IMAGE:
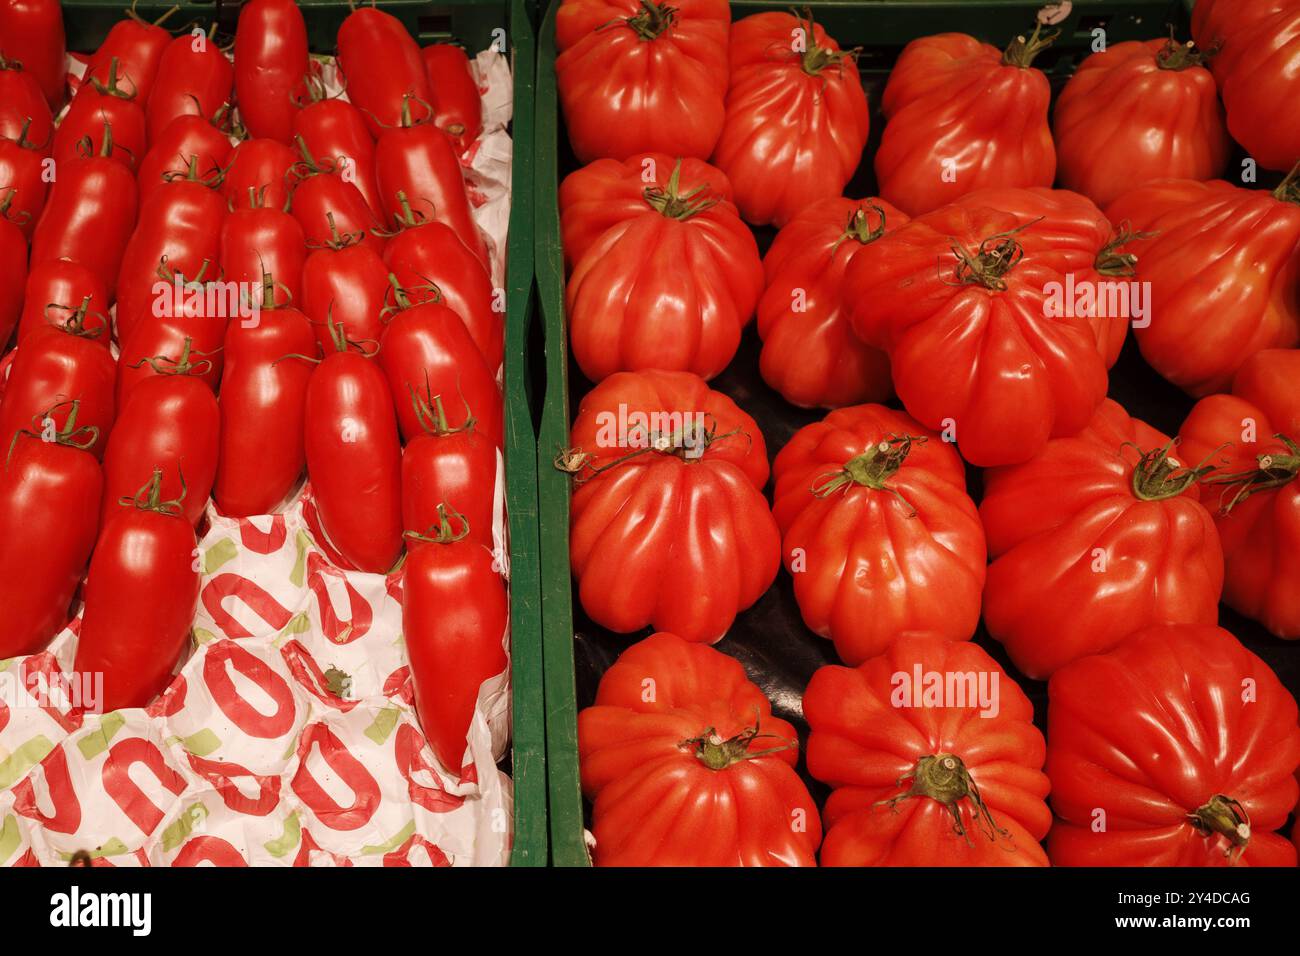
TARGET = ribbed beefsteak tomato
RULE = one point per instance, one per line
(810, 354)
(878, 532)
(1223, 265)
(670, 288)
(638, 76)
(796, 118)
(1096, 536)
(1177, 748)
(1252, 435)
(669, 525)
(1135, 112)
(961, 115)
(933, 760)
(981, 349)
(1257, 66)
(686, 766)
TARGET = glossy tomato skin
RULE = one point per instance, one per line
(354, 458)
(262, 240)
(879, 542)
(193, 76)
(22, 103)
(54, 366)
(31, 32)
(656, 802)
(1138, 111)
(263, 410)
(56, 289)
(607, 192)
(1260, 530)
(262, 165)
(270, 62)
(985, 358)
(426, 351)
(22, 183)
(382, 64)
(874, 738)
(92, 198)
(13, 276)
(670, 288)
(158, 345)
(681, 539)
(431, 252)
(810, 354)
(1241, 295)
(636, 78)
(110, 105)
(170, 152)
(450, 466)
(796, 122)
(169, 422)
(180, 230)
(1150, 733)
(1257, 50)
(49, 493)
(417, 160)
(458, 108)
(320, 196)
(138, 47)
(346, 286)
(989, 116)
(454, 616)
(336, 131)
(141, 594)
(1082, 558)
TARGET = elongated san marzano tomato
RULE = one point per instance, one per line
(1135, 112)
(327, 205)
(697, 773)
(170, 422)
(1252, 436)
(810, 354)
(336, 131)
(58, 290)
(193, 76)
(962, 115)
(1160, 742)
(49, 513)
(796, 117)
(669, 526)
(22, 105)
(454, 615)
(354, 458)
(922, 777)
(60, 365)
(345, 282)
(638, 76)
(264, 166)
(138, 47)
(457, 106)
(170, 152)
(417, 169)
(1094, 537)
(141, 594)
(31, 31)
(425, 351)
(382, 64)
(111, 104)
(878, 531)
(257, 239)
(270, 63)
(93, 198)
(263, 409)
(449, 463)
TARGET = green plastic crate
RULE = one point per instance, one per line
(474, 23)
(880, 28)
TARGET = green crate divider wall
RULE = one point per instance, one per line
(473, 23)
(880, 28)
